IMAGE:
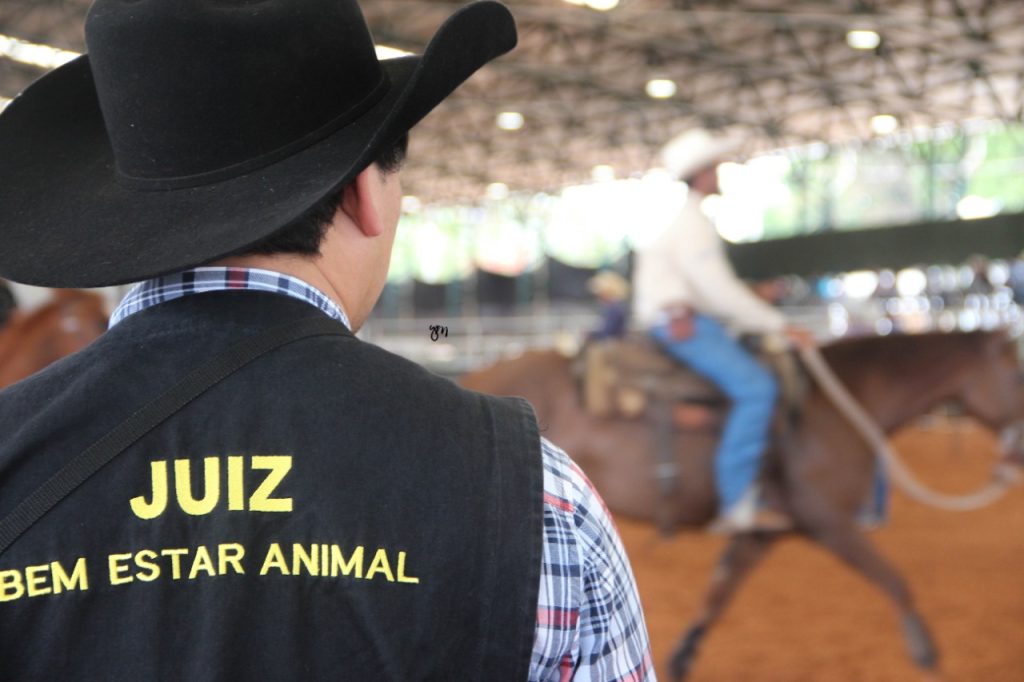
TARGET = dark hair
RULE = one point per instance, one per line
(304, 234)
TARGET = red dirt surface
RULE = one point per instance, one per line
(804, 617)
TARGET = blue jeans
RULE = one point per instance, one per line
(715, 355)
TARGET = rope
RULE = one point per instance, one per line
(1003, 475)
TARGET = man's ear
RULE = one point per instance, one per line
(358, 202)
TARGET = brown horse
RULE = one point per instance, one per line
(820, 474)
(31, 341)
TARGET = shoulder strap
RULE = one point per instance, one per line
(145, 419)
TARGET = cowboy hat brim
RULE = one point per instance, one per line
(66, 222)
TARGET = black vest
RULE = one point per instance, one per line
(331, 511)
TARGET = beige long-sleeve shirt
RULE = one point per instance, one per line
(687, 264)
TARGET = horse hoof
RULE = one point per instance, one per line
(677, 670)
(679, 665)
(682, 659)
(921, 644)
(932, 676)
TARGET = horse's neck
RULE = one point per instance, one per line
(896, 385)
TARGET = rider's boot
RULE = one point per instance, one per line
(750, 515)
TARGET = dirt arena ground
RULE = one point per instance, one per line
(803, 616)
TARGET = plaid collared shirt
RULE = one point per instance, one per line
(589, 622)
(200, 280)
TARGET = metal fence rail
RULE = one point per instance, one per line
(452, 346)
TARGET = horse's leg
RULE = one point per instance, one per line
(849, 544)
(740, 556)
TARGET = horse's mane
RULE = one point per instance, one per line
(909, 352)
(908, 342)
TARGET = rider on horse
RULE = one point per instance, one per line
(687, 295)
(612, 290)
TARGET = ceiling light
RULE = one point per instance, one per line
(883, 124)
(599, 5)
(972, 207)
(510, 120)
(4, 101)
(37, 55)
(411, 204)
(388, 52)
(602, 173)
(497, 191)
(660, 88)
(863, 39)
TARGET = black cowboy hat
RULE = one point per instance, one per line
(195, 128)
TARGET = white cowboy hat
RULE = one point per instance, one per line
(696, 149)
